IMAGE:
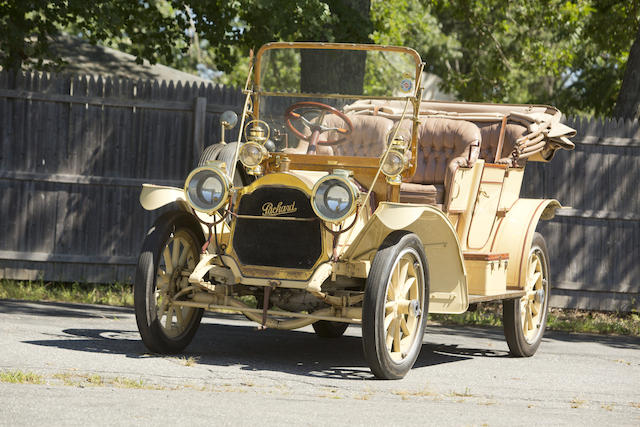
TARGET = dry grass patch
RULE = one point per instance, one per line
(577, 403)
(465, 393)
(20, 377)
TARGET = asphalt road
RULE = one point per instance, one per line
(95, 370)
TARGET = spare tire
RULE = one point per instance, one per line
(225, 153)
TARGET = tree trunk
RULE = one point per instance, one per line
(628, 103)
(332, 71)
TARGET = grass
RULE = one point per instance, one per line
(121, 295)
(116, 294)
(19, 377)
(568, 320)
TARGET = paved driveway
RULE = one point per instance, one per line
(94, 369)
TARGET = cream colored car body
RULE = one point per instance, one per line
(477, 243)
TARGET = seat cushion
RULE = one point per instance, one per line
(424, 194)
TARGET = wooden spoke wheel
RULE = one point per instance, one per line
(395, 306)
(170, 253)
(525, 318)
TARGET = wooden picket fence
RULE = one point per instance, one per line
(595, 244)
(75, 151)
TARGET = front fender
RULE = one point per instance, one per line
(447, 278)
(153, 197)
(515, 234)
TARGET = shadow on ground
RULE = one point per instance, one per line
(294, 352)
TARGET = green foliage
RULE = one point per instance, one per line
(567, 53)
(149, 29)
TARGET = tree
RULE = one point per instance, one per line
(569, 53)
(628, 103)
(149, 29)
(566, 53)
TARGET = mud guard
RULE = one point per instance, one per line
(514, 235)
(447, 278)
(154, 197)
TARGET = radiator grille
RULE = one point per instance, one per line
(277, 242)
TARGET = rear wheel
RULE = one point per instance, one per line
(395, 306)
(169, 254)
(327, 329)
(525, 318)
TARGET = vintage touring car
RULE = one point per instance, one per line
(346, 198)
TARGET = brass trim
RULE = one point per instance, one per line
(329, 95)
(278, 218)
(225, 181)
(350, 186)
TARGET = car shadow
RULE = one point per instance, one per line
(294, 352)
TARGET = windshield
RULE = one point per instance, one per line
(328, 98)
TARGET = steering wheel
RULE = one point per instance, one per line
(297, 112)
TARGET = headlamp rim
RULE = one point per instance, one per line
(402, 154)
(262, 149)
(226, 182)
(351, 188)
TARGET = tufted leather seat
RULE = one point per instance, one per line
(491, 134)
(444, 145)
(367, 138)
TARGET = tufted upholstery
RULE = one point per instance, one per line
(491, 134)
(367, 138)
(443, 146)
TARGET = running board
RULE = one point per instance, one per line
(474, 299)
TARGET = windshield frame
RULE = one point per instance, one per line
(256, 91)
(253, 91)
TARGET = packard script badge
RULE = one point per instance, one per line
(280, 209)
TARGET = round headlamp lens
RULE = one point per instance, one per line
(333, 199)
(337, 199)
(393, 164)
(207, 190)
(251, 154)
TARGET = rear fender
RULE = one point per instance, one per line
(447, 279)
(515, 233)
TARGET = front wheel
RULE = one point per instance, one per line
(525, 318)
(169, 253)
(395, 306)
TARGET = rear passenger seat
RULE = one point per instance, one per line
(444, 145)
(490, 132)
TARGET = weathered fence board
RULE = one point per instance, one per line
(75, 150)
(74, 153)
(594, 245)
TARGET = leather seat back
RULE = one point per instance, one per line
(490, 136)
(367, 138)
(443, 146)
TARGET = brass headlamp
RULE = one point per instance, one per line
(253, 152)
(207, 187)
(396, 161)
